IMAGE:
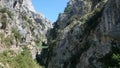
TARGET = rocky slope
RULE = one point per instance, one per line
(86, 35)
(21, 25)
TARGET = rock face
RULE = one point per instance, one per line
(21, 25)
(86, 35)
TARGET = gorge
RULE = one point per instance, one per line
(85, 35)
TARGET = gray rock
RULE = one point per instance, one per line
(84, 34)
(23, 23)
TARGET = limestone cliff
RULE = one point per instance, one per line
(21, 25)
(86, 35)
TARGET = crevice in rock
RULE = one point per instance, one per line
(74, 59)
(14, 4)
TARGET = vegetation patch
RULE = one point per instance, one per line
(17, 34)
(24, 17)
(29, 21)
(6, 10)
(3, 21)
(22, 60)
(112, 59)
(7, 41)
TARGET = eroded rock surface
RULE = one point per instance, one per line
(86, 35)
(21, 25)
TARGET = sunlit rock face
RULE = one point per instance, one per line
(13, 3)
(86, 35)
(29, 5)
(20, 21)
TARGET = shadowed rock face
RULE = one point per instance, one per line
(115, 35)
(77, 39)
(115, 32)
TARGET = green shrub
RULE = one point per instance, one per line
(3, 10)
(4, 24)
(8, 40)
(116, 57)
(6, 10)
(29, 21)
(1, 35)
(112, 59)
(22, 60)
(24, 17)
(16, 34)
(3, 21)
(6, 57)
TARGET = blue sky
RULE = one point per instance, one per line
(50, 8)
